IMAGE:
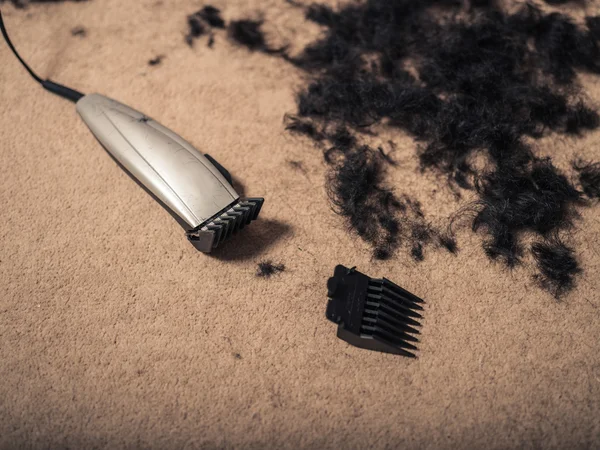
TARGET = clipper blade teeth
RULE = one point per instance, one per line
(375, 314)
(218, 229)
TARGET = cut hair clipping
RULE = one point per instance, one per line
(373, 313)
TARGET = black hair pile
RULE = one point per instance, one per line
(156, 60)
(358, 192)
(557, 266)
(475, 86)
(593, 24)
(248, 33)
(196, 28)
(589, 177)
(202, 22)
(212, 16)
(534, 198)
(463, 83)
(245, 32)
(266, 269)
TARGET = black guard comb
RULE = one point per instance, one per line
(372, 313)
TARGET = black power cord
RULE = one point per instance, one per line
(55, 88)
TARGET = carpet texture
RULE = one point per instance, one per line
(117, 333)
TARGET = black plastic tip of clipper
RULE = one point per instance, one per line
(374, 314)
(215, 231)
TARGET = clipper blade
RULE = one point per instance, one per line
(374, 314)
(215, 231)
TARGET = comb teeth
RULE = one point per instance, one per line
(213, 233)
(374, 313)
(391, 315)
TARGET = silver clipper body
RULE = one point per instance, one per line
(193, 187)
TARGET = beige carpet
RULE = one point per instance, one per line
(116, 333)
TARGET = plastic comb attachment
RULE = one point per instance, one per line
(374, 314)
(215, 231)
